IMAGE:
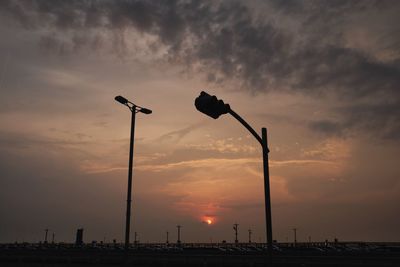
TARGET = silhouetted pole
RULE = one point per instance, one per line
(179, 234)
(267, 190)
(235, 227)
(134, 109)
(295, 236)
(52, 238)
(136, 241)
(250, 232)
(214, 108)
(45, 235)
(130, 171)
(167, 237)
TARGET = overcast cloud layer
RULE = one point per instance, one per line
(344, 49)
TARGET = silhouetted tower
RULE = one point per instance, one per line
(167, 237)
(79, 237)
(250, 232)
(235, 227)
(179, 234)
(45, 235)
(52, 238)
(295, 236)
(136, 241)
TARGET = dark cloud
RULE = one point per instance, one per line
(350, 73)
(369, 117)
(326, 127)
(375, 120)
(311, 54)
(225, 37)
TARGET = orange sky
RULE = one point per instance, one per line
(334, 143)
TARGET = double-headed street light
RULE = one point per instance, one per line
(134, 109)
(214, 108)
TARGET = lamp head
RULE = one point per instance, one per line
(121, 100)
(145, 110)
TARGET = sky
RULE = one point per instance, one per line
(322, 76)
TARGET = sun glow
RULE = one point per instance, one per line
(208, 220)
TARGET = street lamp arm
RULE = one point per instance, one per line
(132, 107)
(211, 106)
(248, 127)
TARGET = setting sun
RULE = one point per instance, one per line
(208, 220)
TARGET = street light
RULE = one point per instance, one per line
(211, 106)
(134, 109)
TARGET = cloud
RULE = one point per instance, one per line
(311, 47)
(368, 119)
(326, 127)
(178, 134)
(202, 164)
(223, 36)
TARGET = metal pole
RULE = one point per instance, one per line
(129, 198)
(267, 192)
(45, 236)
(250, 235)
(235, 227)
(136, 241)
(179, 234)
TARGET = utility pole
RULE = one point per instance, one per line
(179, 234)
(45, 235)
(250, 232)
(167, 238)
(295, 236)
(235, 227)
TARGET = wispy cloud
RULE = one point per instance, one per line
(226, 162)
(176, 136)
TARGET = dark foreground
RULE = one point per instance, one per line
(199, 256)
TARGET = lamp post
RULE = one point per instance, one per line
(250, 232)
(179, 235)
(45, 235)
(134, 109)
(214, 108)
(235, 228)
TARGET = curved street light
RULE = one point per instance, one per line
(134, 109)
(213, 107)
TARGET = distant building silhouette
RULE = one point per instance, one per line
(79, 237)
